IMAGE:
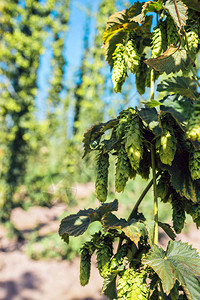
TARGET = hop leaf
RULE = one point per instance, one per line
(132, 285)
(166, 144)
(159, 38)
(119, 68)
(133, 142)
(178, 215)
(102, 176)
(131, 56)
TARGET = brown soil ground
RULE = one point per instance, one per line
(22, 278)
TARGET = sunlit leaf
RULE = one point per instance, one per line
(77, 224)
(178, 85)
(169, 5)
(181, 107)
(171, 61)
(132, 229)
(179, 262)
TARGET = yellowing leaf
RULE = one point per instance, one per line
(171, 61)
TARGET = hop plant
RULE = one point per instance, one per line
(178, 215)
(132, 285)
(194, 164)
(133, 142)
(119, 68)
(104, 254)
(172, 32)
(193, 126)
(166, 144)
(102, 176)
(122, 169)
(141, 75)
(85, 264)
(131, 56)
(159, 39)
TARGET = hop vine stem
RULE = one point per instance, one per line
(155, 236)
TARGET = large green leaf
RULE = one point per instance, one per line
(171, 61)
(77, 224)
(194, 4)
(179, 262)
(181, 107)
(180, 19)
(181, 178)
(132, 229)
(178, 85)
(93, 135)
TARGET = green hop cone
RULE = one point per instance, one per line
(172, 32)
(145, 164)
(123, 121)
(131, 56)
(193, 126)
(163, 187)
(166, 145)
(194, 164)
(122, 169)
(132, 285)
(85, 264)
(192, 32)
(102, 177)
(194, 211)
(178, 215)
(118, 258)
(133, 142)
(159, 39)
(141, 76)
(104, 254)
(119, 68)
